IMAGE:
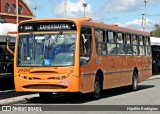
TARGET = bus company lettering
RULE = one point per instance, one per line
(24, 70)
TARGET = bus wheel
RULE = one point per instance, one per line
(45, 95)
(134, 81)
(97, 89)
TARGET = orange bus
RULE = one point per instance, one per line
(78, 55)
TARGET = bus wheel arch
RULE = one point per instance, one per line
(98, 84)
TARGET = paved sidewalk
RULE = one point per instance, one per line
(154, 77)
(15, 100)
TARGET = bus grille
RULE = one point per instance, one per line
(44, 86)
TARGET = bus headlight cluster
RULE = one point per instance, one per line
(20, 75)
(24, 77)
(64, 77)
(57, 77)
(60, 77)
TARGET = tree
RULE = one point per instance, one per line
(156, 31)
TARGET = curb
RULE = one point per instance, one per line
(19, 99)
(154, 77)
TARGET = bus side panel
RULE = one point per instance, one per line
(126, 78)
(87, 76)
(147, 71)
(107, 81)
(87, 83)
(104, 65)
(125, 70)
(147, 74)
(140, 75)
(112, 69)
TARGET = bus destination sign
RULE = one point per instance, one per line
(46, 26)
(55, 26)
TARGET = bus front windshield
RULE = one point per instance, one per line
(46, 49)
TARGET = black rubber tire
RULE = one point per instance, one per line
(45, 96)
(97, 89)
(134, 85)
(134, 81)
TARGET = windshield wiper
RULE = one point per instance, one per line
(55, 40)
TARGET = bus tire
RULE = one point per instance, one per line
(134, 81)
(45, 96)
(97, 88)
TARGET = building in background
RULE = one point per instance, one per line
(10, 16)
(9, 13)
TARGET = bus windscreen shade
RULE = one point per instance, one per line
(46, 26)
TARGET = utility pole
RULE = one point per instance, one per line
(144, 16)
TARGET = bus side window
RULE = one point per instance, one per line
(135, 44)
(128, 46)
(85, 45)
(100, 42)
(111, 43)
(141, 45)
(120, 44)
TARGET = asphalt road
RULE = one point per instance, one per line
(147, 94)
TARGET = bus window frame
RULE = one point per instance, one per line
(42, 33)
(123, 43)
(108, 42)
(84, 55)
(135, 45)
(130, 43)
(141, 45)
(103, 42)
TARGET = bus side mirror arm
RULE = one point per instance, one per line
(7, 46)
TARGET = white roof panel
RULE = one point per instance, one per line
(7, 27)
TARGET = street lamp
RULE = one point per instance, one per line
(84, 5)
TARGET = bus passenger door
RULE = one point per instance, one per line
(86, 60)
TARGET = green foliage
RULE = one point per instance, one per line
(156, 31)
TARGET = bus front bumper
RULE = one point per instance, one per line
(70, 84)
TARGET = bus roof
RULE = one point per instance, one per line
(89, 22)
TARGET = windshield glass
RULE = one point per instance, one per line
(46, 49)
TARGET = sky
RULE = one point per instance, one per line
(125, 13)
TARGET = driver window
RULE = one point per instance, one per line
(85, 45)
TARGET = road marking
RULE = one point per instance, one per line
(5, 91)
